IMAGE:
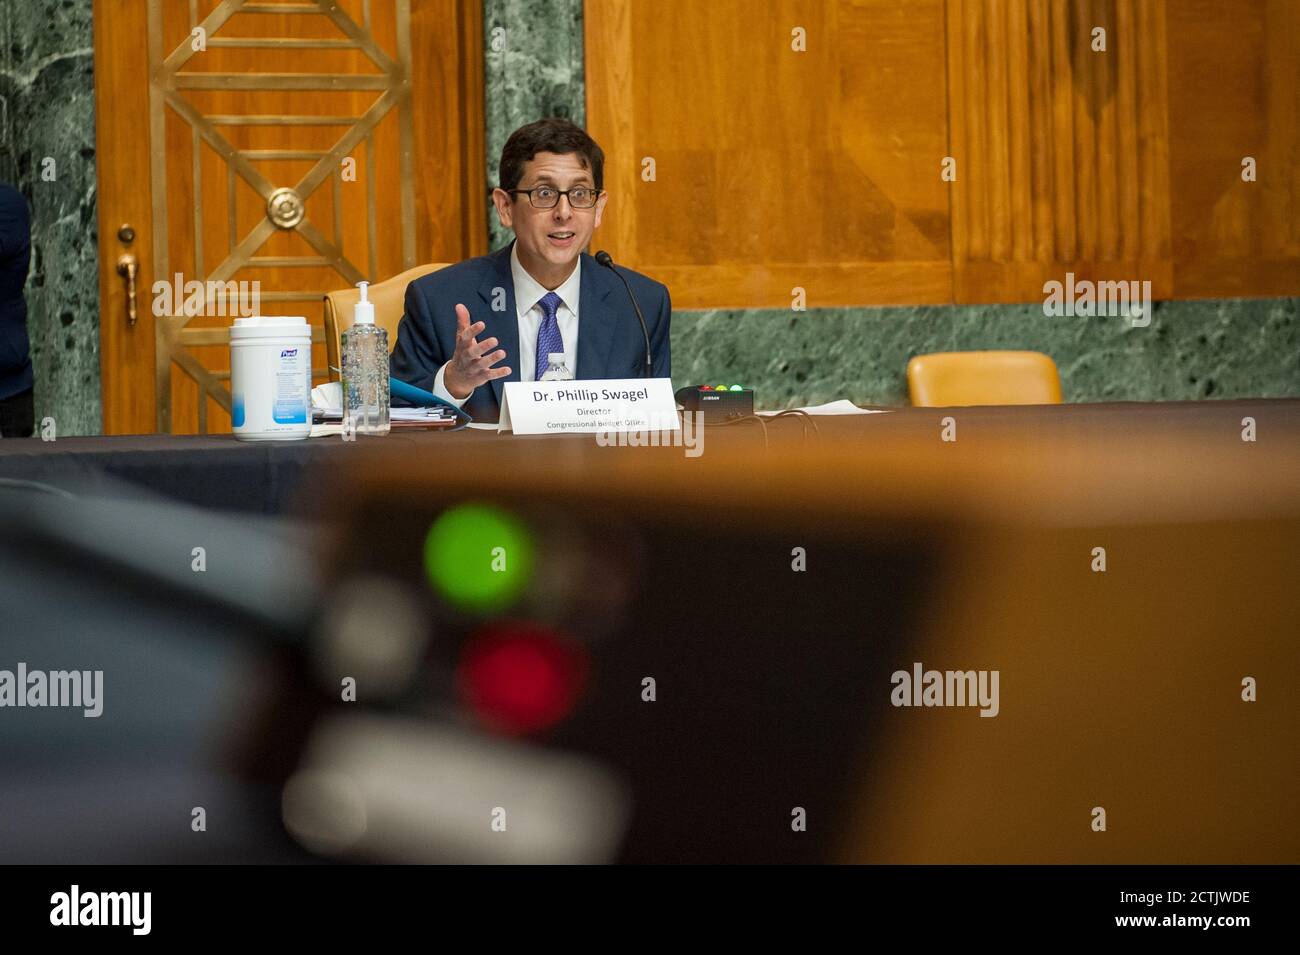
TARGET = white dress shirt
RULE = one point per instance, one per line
(528, 295)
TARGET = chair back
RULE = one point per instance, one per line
(949, 379)
(388, 297)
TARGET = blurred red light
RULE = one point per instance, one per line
(521, 678)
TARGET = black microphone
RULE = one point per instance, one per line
(606, 260)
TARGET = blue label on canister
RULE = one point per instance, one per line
(291, 398)
(237, 410)
(286, 414)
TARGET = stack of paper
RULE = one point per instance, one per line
(843, 406)
(327, 411)
(418, 415)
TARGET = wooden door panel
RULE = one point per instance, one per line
(1237, 66)
(128, 387)
(281, 156)
(1062, 151)
(775, 168)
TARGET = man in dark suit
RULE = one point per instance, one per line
(539, 298)
(17, 416)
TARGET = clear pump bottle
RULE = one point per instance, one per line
(365, 371)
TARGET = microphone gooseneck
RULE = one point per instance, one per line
(605, 259)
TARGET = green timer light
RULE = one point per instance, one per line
(478, 557)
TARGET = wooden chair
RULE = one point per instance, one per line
(949, 379)
(388, 298)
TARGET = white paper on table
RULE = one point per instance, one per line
(842, 406)
(328, 397)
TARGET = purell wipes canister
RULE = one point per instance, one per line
(270, 378)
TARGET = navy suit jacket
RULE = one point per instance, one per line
(15, 254)
(610, 343)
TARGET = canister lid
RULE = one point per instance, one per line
(270, 326)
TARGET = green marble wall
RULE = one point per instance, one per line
(533, 69)
(47, 97)
(1212, 349)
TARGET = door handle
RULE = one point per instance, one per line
(128, 267)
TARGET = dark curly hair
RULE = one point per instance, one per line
(553, 135)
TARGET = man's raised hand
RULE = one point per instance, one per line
(471, 364)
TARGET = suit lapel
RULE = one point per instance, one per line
(503, 326)
(595, 320)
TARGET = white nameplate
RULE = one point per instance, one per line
(576, 407)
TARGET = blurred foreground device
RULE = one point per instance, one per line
(522, 676)
(713, 666)
(725, 657)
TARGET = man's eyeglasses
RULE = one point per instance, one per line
(546, 197)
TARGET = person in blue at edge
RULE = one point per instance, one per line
(470, 327)
(17, 416)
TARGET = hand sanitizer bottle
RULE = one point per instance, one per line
(365, 371)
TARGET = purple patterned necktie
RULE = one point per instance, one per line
(549, 339)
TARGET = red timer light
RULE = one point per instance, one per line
(521, 678)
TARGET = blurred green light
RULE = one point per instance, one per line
(478, 557)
